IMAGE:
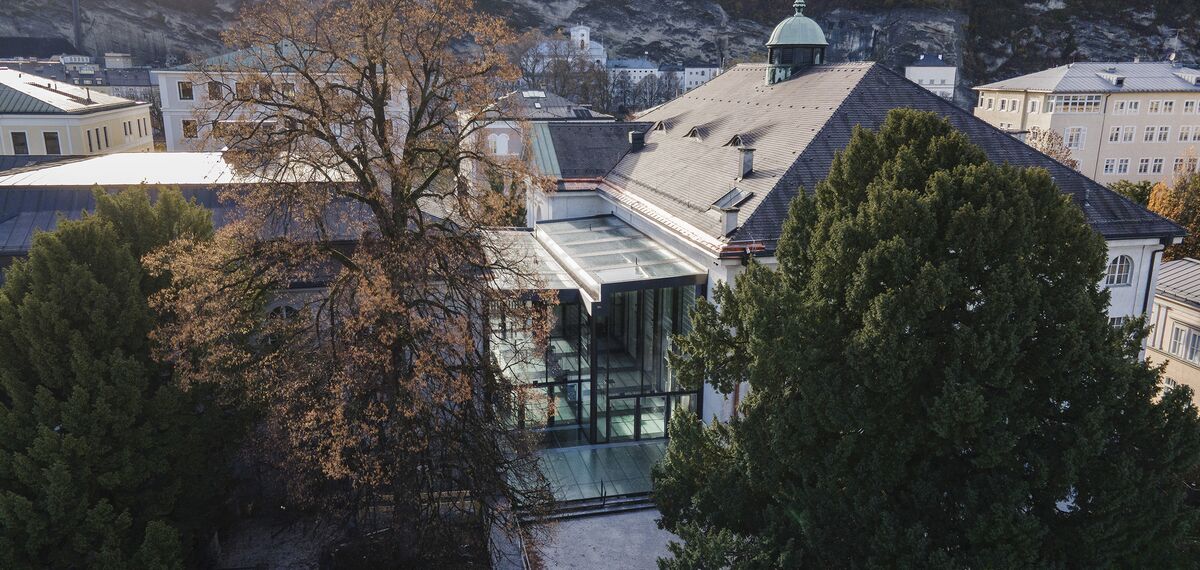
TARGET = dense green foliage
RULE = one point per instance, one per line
(104, 462)
(1139, 192)
(934, 384)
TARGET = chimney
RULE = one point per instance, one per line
(729, 220)
(745, 161)
(637, 141)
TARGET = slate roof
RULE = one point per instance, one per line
(580, 150)
(632, 63)
(795, 127)
(10, 163)
(1180, 280)
(1096, 77)
(125, 77)
(41, 47)
(24, 212)
(253, 57)
(35, 199)
(24, 93)
(540, 105)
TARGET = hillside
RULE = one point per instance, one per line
(992, 40)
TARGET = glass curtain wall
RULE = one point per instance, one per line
(635, 391)
(557, 398)
(602, 379)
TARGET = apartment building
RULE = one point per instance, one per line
(187, 91)
(1122, 121)
(42, 116)
(1175, 325)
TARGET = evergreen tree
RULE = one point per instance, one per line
(934, 383)
(103, 460)
(1139, 191)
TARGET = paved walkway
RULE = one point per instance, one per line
(630, 541)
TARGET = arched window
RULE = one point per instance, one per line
(1120, 271)
(498, 144)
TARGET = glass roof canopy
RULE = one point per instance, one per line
(526, 264)
(605, 255)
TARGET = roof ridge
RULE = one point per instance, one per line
(737, 236)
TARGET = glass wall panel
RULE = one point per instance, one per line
(635, 389)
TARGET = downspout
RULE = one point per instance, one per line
(1150, 277)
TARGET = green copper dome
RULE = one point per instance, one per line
(799, 30)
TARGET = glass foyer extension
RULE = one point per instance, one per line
(603, 377)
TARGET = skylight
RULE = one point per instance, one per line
(533, 94)
(732, 199)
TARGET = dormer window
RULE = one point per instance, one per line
(694, 134)
(737, 140)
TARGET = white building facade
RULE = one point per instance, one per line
(935, 74)
(40, 116)
(1137, 121)
(187, 94)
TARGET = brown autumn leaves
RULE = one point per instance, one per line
(347, 297)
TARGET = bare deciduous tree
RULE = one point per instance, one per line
(351, 297)
(1051, 144)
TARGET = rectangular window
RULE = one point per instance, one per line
(288, 90)
(1193, 346)
(51, 140)
(1110, 165)
(1149, 134)
(89, 134)
(1196, 133)
(1004, 104)
(1033, 106)
(1014, 105)
(214, 89)
(20, 143)
(1074, 137)
(1179, 164)
(1185, 133)
(990, 103)
(189, 129)
(106, 145)
(1123, 166)
(242, 89)
(1158, 166)
(185, 90)
(1114, 135)
(1154, 108)
(1189, 107)
(1117, 322)
(1144, 166)
(1168, 107)
(1076, 103)
(1177, 341)
(140, 132)
(1164, 134)
(1127, 134)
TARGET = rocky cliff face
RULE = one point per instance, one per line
(989, 40)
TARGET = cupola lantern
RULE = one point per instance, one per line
(796, 43)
